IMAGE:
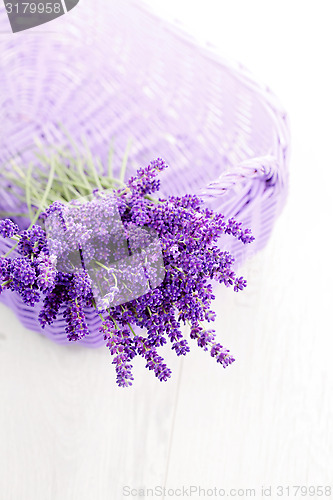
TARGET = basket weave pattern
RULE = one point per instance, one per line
(115, 70)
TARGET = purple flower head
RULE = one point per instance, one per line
(32, 241)
(181, 348)
(145, 181)
(146, 265)
(240, 284)
(5, 268)
(8, 228)
(74, 315)
(22, 272)
(46, 270)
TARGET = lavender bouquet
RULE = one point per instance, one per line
(145, 264)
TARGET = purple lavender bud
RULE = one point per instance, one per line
(123, 370)
(181, 348)
(221, 355)
(235, 229)
(5, 268)
(55, 208)
(33, 241)
(110, 229)
(210, 316)
(144, 182)
(74, 315)
(30, 295)
(82, 284)
(8, 228)
(46, 272)
(51, 306)
(22, 272)
(240, 284)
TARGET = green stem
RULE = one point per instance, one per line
(91, 164)
(124, 162)
(28, 190)
(13, 214)
(6, 282)
(130, 327)
(10, 251)
(110, 159)
(47, 190)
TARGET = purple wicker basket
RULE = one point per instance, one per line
(114, 70)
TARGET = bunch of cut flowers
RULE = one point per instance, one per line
(146, 264)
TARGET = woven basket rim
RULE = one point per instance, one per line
(265, 175)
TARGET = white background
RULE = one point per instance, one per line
(68, 433)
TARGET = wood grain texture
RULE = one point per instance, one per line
(68, 433)
(66, 430)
